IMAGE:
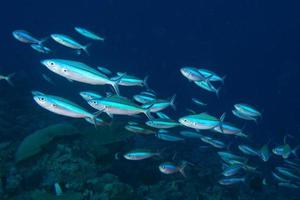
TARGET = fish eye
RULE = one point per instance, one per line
(51, 63)
(65, 70)
(42, 98)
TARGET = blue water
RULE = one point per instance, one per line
(254, 43)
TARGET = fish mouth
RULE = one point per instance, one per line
(44, 62)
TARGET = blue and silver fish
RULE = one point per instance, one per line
(104, 70)
(26, 37)
(139, 129)
(77, 71)
(198, 102)
(243, 116)
(69, 42)
(167, 136)
(231, 181)
(89, 34)
(118, 105)
(248, 150)
(61, 106)
(231, 170)
(89, 95)
(191, 134)
(248, 110)
(41, 49)
(160, 104)
(144, 98)
(212, 76)
(140, 154)
(172, 168)
(193, 74)
(206, 85)
(129, 80)
(201, 121)
(162, 123)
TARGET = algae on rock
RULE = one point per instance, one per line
(34, 143)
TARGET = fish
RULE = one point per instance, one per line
(40, 48)
(61, 106)
(243, 116)
(198, 102)
(67, 41)
(166, 136)
(8, 78)
(190, 134)
(77, 71)
(248, 110)
(231, 181)
(287, 172)
(89, 95)
(215, 143)
(87, 33)
(162, 123)
(160, 104)
(48, 79)
(193, 74)
(289, 185)
(295, 163)
(264, 153)
(206, 85)
(285, 150)
(248, 150)
(140, 154)
(162, 115)
(119, 105)
(202, 121)
(231, 170)
(211, 75)
(149, 92)
(172, 168)
(229, 129)
(279, 178)
(129, 80)
(231, 158)
(139, 129)
(26, 37)
(97, 121)
(143, 98)
(104, 70)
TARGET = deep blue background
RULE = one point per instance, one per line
(255, 43)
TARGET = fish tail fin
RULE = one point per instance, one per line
(85, 48)
(172, 102)
(43, 40)
(221, 121)
(145, 82)
(117, 156)
(115, 83)
(294, 151)
(223, 79)
(94, 117)
(147, 112)
(8, 79)
(182, 168)
(218, 92)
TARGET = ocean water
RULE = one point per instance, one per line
(255, 44)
